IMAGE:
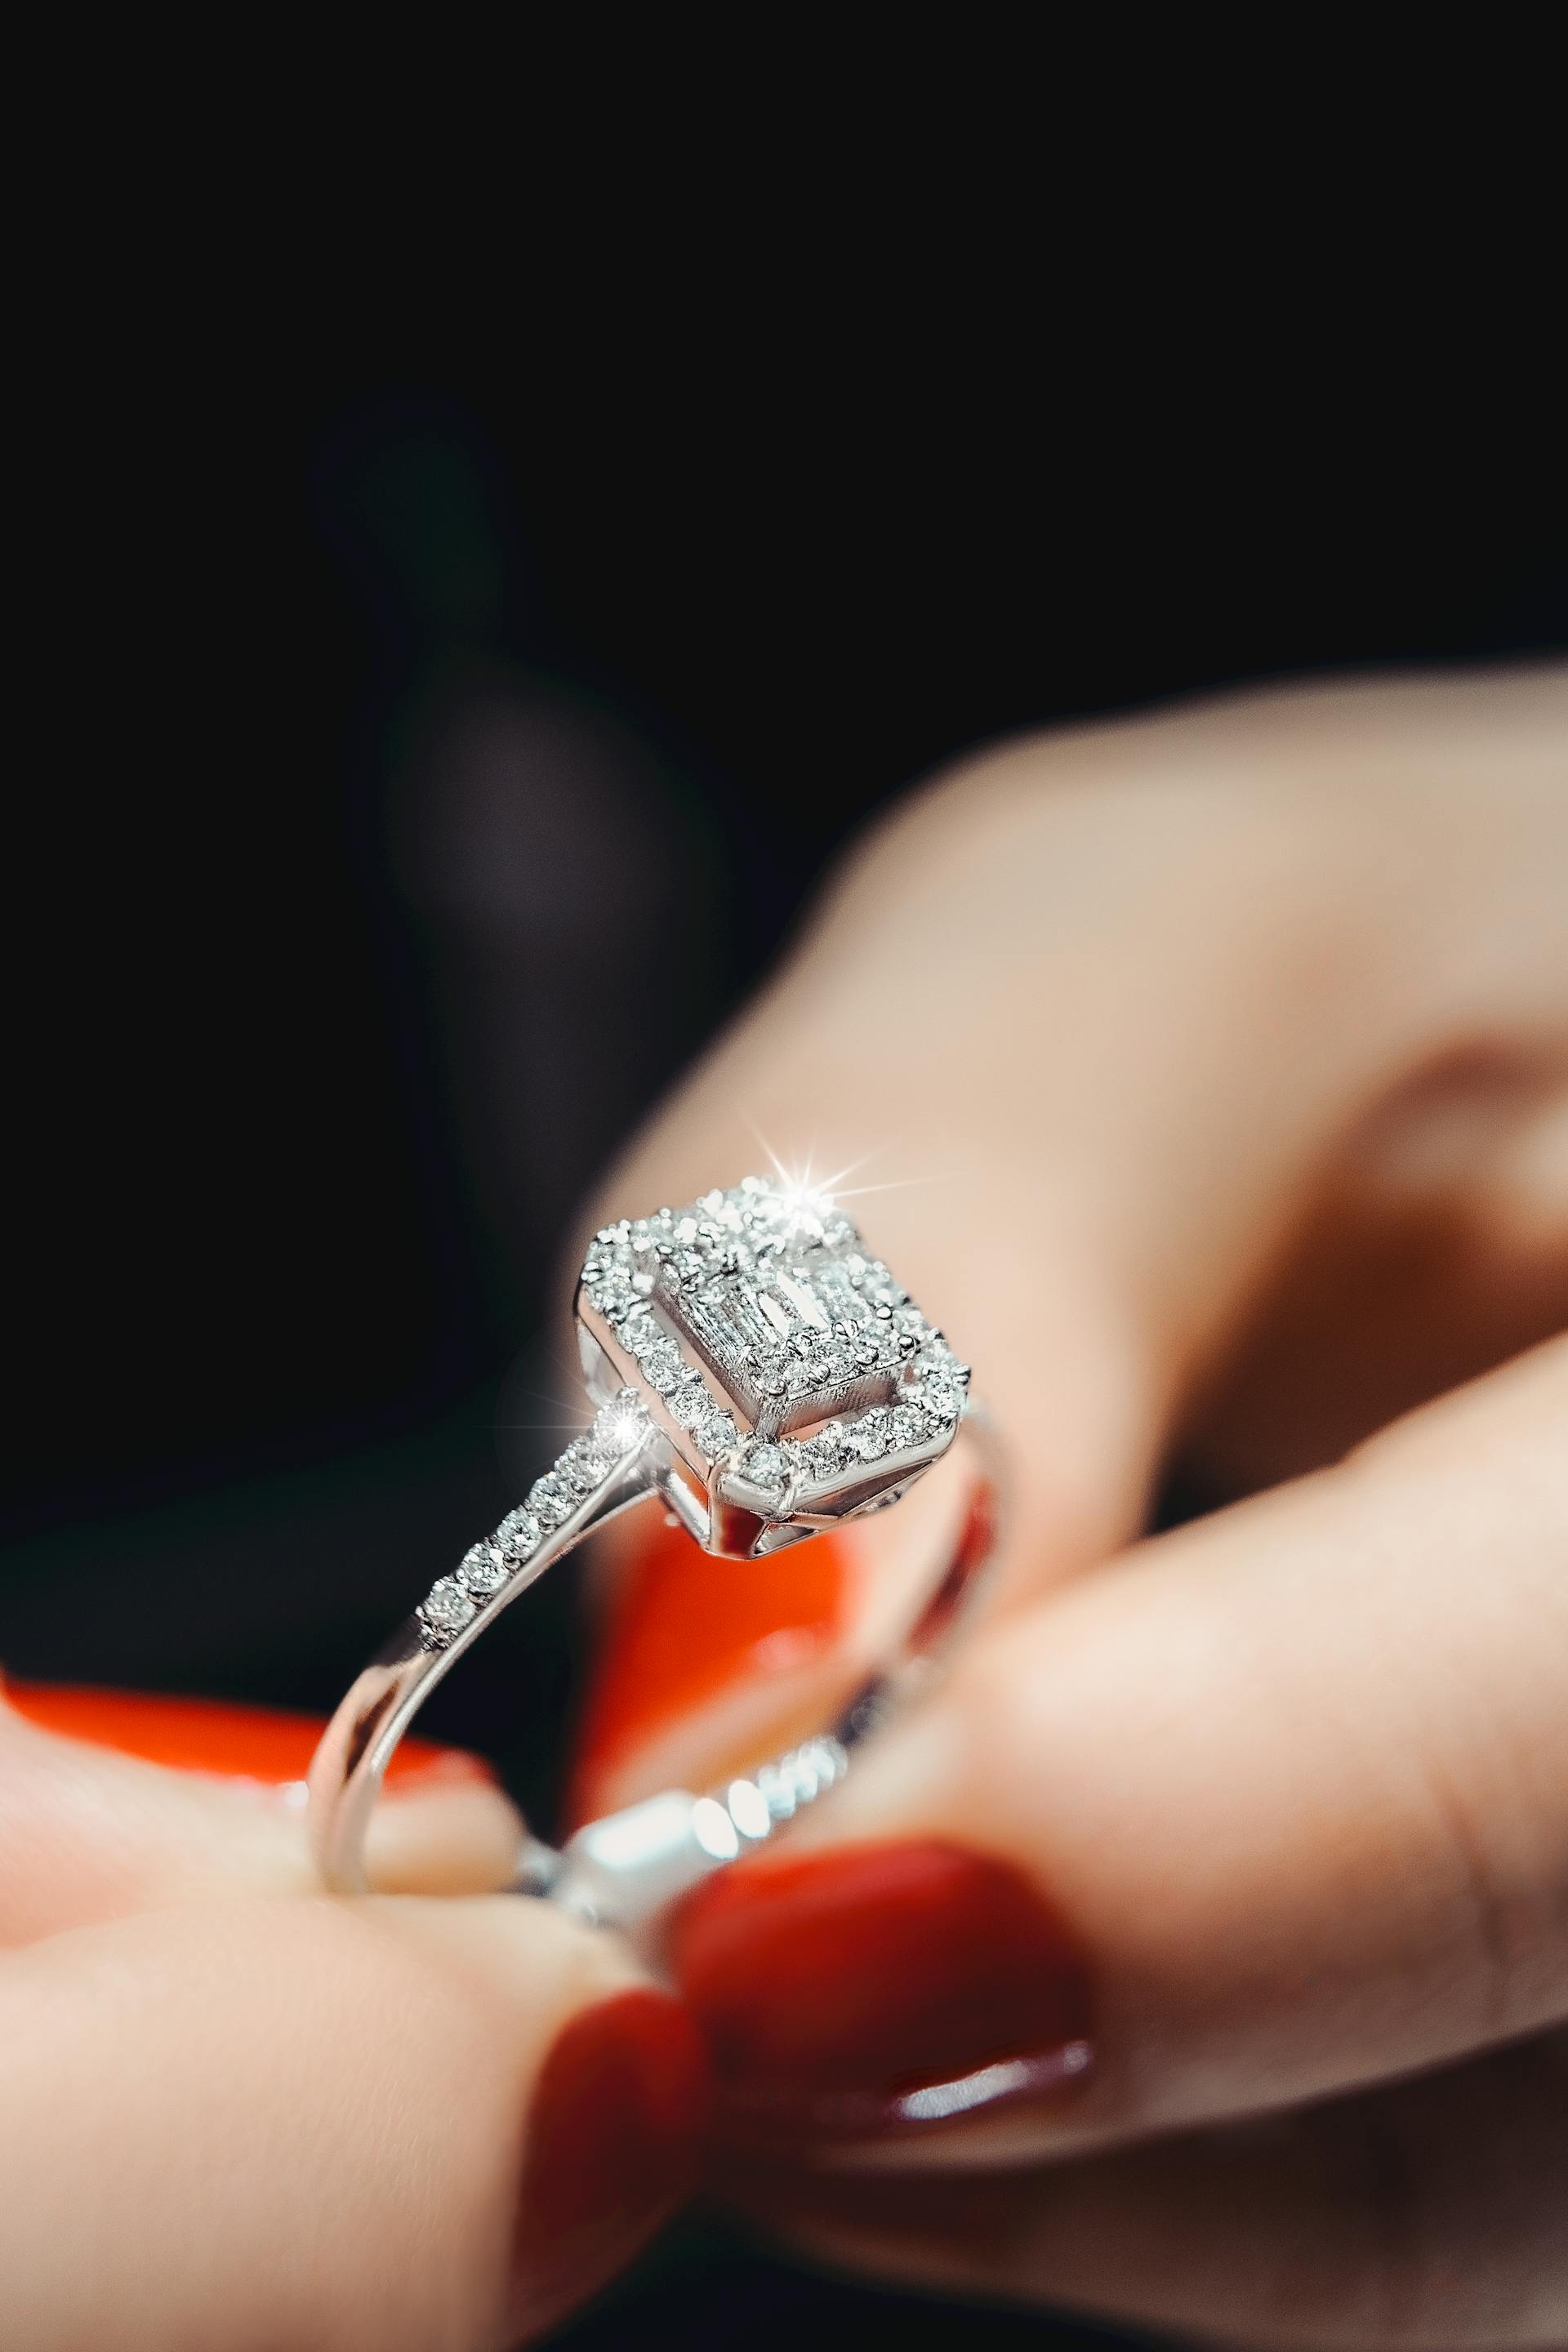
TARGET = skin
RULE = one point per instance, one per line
(200, 2056)
(1235, 1042)
(1251, 1020)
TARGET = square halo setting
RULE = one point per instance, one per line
(790, 1370)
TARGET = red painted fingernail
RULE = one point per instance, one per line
(879, 1988)
(613, 2149)
(269, 1745)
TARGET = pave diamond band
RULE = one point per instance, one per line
(761, 1373)
(502, 1564)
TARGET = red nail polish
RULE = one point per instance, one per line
(613, 2149)
(265, 1744)
(872, 1989)
(683, 1627)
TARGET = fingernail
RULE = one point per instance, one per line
(684, 1627)
(270, 1746)
(614, 2134)
(879, 1988)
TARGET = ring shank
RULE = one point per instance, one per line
(350, 1763)
(622, 1870)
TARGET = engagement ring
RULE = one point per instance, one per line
(767, 1379)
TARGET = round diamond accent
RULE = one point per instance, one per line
(906, 1426)
(518, 1535)
(766, 1465)
(663, 1364)
(882, 1291)
(445, 1611)
(483, 1570)
(942, 1396)
(870, 1436)
(716, 1432)
(827, 1453)
(549, 1501)
(621, 1426)
(579, 1468)
(690, 1404)
(639, 1331)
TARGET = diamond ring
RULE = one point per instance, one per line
(761, 1373)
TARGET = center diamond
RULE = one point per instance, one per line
(769, 1288)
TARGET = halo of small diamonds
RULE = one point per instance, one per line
(768, 1290)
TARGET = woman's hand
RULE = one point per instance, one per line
(1199, 1952)
(235, 2114)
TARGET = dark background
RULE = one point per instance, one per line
(432, 736)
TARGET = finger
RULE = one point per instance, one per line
(1276, 1807)
(1433, 2215)
(112, 1802)
(386, 2124)
(1438, 1249)
(1101, 1018)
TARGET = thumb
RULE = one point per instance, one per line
(395, 2123)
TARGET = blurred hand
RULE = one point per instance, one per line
(1198, 1954)
(235, 2115)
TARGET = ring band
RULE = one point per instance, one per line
(766, 1379)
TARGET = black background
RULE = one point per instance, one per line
(447, 670)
